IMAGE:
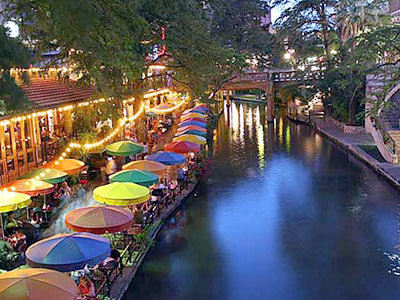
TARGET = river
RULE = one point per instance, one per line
(285, 214)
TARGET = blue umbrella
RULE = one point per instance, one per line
(167, 158)
(194, 123)
(68, 252)
(195, 132)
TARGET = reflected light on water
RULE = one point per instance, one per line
(280, 131)
(241, 123)
(235, 122)
(261, 147)
(288, 137)
(249, 122)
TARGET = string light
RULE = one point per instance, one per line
(156, 93)
(167, 110)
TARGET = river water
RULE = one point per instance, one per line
(285, 214)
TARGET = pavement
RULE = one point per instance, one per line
(350, 142)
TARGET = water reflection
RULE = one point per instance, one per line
(285, 215)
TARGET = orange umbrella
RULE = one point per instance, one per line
(31, 187)
(69, 166)
(37, 284)
(192, 127)
(146, 165)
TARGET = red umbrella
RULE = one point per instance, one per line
(99, 219)
(192, 127)
(182, 147)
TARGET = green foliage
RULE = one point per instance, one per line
(349, 37)
(12, 55)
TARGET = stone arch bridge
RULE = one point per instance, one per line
(268, 81)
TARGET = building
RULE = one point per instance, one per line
(394, 9)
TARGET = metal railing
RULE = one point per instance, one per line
(389, 142)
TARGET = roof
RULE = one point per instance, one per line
(52, 93)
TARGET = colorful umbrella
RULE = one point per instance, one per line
(49, 175)
(162, 109)
(121, 194)
(193, 110)
(99, 219)
(68, 252)
(10, 201)
(182, 147)
(193, 123)
(144, 178)
(191, 127)
(124, 148)
(146, 165)
(193, 115)
(37, 284)
(191, 138)
(31, 187)
(68, 165)
(195, 132)
(193, 119)
(167, 158)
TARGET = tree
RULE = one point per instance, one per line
(12, 55)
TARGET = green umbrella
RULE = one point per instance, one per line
(124, 148)
(136, 176)
(48, 175)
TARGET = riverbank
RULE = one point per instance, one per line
(122, 283)
(352, 142)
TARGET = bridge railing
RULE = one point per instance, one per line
(277, 76)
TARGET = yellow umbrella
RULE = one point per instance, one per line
(193, 115)
(191, 138)
(146, 165)
(10, 201)
(121, 194)
(69, 166)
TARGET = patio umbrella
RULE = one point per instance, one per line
(162, 109)
(10, 201)
(191, 138)
(146, 165)
(121, 194)
(48, 175)
(167, 158)
(68, 252)
(195, 132)
(192, 127)
(140, 177)
(124, 148)
(68, 165)
(31, 187)
(193, 123)
(37, 284)
(182, 147)
(99, 219)
(193, 115)
(194, 110)
(193, 119)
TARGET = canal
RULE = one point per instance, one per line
(285, 214)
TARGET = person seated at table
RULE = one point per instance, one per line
(110, 262)
(86, 288)
(66, 188)
(111, 167)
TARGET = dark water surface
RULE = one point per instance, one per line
(286, 214)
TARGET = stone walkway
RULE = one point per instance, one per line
(350, 142)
